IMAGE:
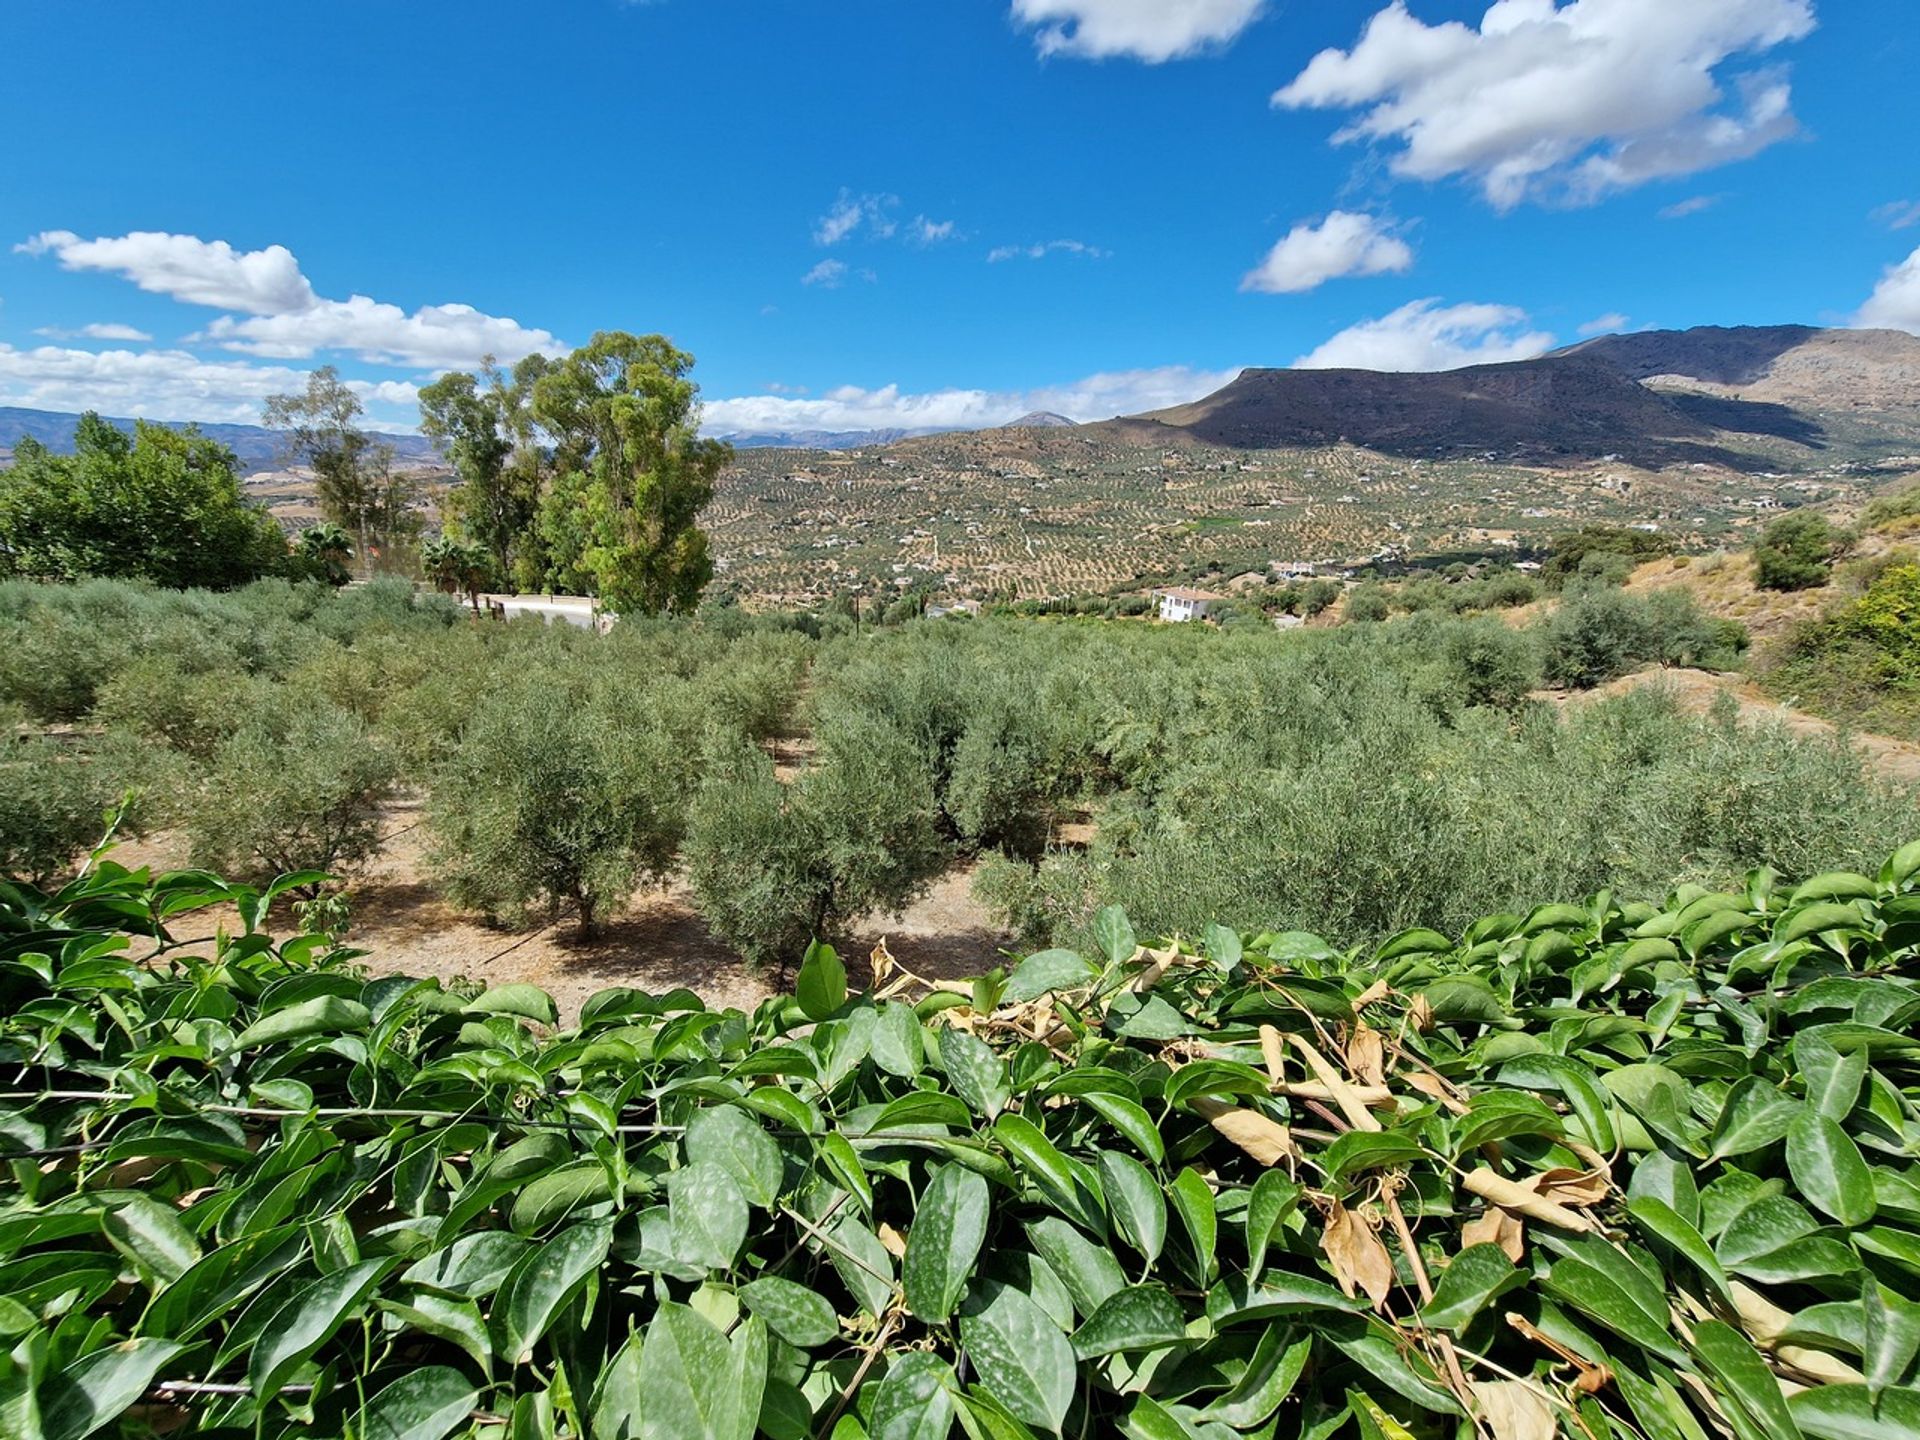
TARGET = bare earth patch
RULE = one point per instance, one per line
(657, 943)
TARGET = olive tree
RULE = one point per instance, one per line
(552, 800)
(773, 865)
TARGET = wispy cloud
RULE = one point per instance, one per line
(1151, 30)
(1900, 215)
(851, 407)
(96, 332)
(1002, 253)
(1693, 205)
(1609, 324)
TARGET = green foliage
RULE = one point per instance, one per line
(486, 425)
(552, 798)
(772, 865)
(1256, 1187)
(1598, 634)
(1602, 554)
(354, 476)
(162, 505)
(1797, 552)
(298, 785)
(631, 473)
(1861, 661)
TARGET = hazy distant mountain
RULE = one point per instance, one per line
(1041, 420)
(818, 439)
(254, 447)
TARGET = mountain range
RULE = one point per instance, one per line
(1754, 398)
(1750, 398)
(255, 447)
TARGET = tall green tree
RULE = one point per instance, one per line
(160, 505)
(357, 485)
(486, 426)
(623, 417)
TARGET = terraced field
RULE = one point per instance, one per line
(1036, 514)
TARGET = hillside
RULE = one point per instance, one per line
(1782, 397)
(1550, 410)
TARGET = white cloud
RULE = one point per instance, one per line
(170, 385)
(1427, 335)
(284, 318)
(828, 275)
(1098, 397)
(1611, 323)
(922, 231)
(1895, 302)
(1693, 205)
(1050, 247)
(434, 337)
(199, 272)
(1345, 243)
(1567, 101)
(95, 332)
(852, 212)
(1149, 30)
(1900, 215)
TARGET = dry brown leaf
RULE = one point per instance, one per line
(1515, 1410)
(1314, 1090)
(1156, 969)
(1265, 1140)
(1378, 990)
(1359, 1260)
(881, 959)
(893, 1240)
(1522, 1201)
(1367, 1056)
(1570, 1187)
(1496, 1227)
(1351, 1105)
(1420, 1014)
(1274, 1055)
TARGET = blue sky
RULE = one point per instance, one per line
(928, 211)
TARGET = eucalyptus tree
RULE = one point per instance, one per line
(355, 479)
(632, 473)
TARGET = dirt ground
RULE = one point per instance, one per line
(657, 943)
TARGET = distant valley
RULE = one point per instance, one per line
(1699, 433)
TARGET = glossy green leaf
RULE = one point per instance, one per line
(541, 1283)
(914, 1400)
(1828, 1169)
(949, 1227)
(1022, 1358)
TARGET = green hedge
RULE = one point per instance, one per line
(1596, 1170)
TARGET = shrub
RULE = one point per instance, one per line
(1597, 635)
(1367, 605)
(772, 865)
(553, 799)
(1797, 552)
(1603, 554)
(1485, 662)
(298, 785)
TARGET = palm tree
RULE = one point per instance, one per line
(457, 567)
(327, 550)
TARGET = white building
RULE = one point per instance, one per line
(582, 611)
(1177, 606)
